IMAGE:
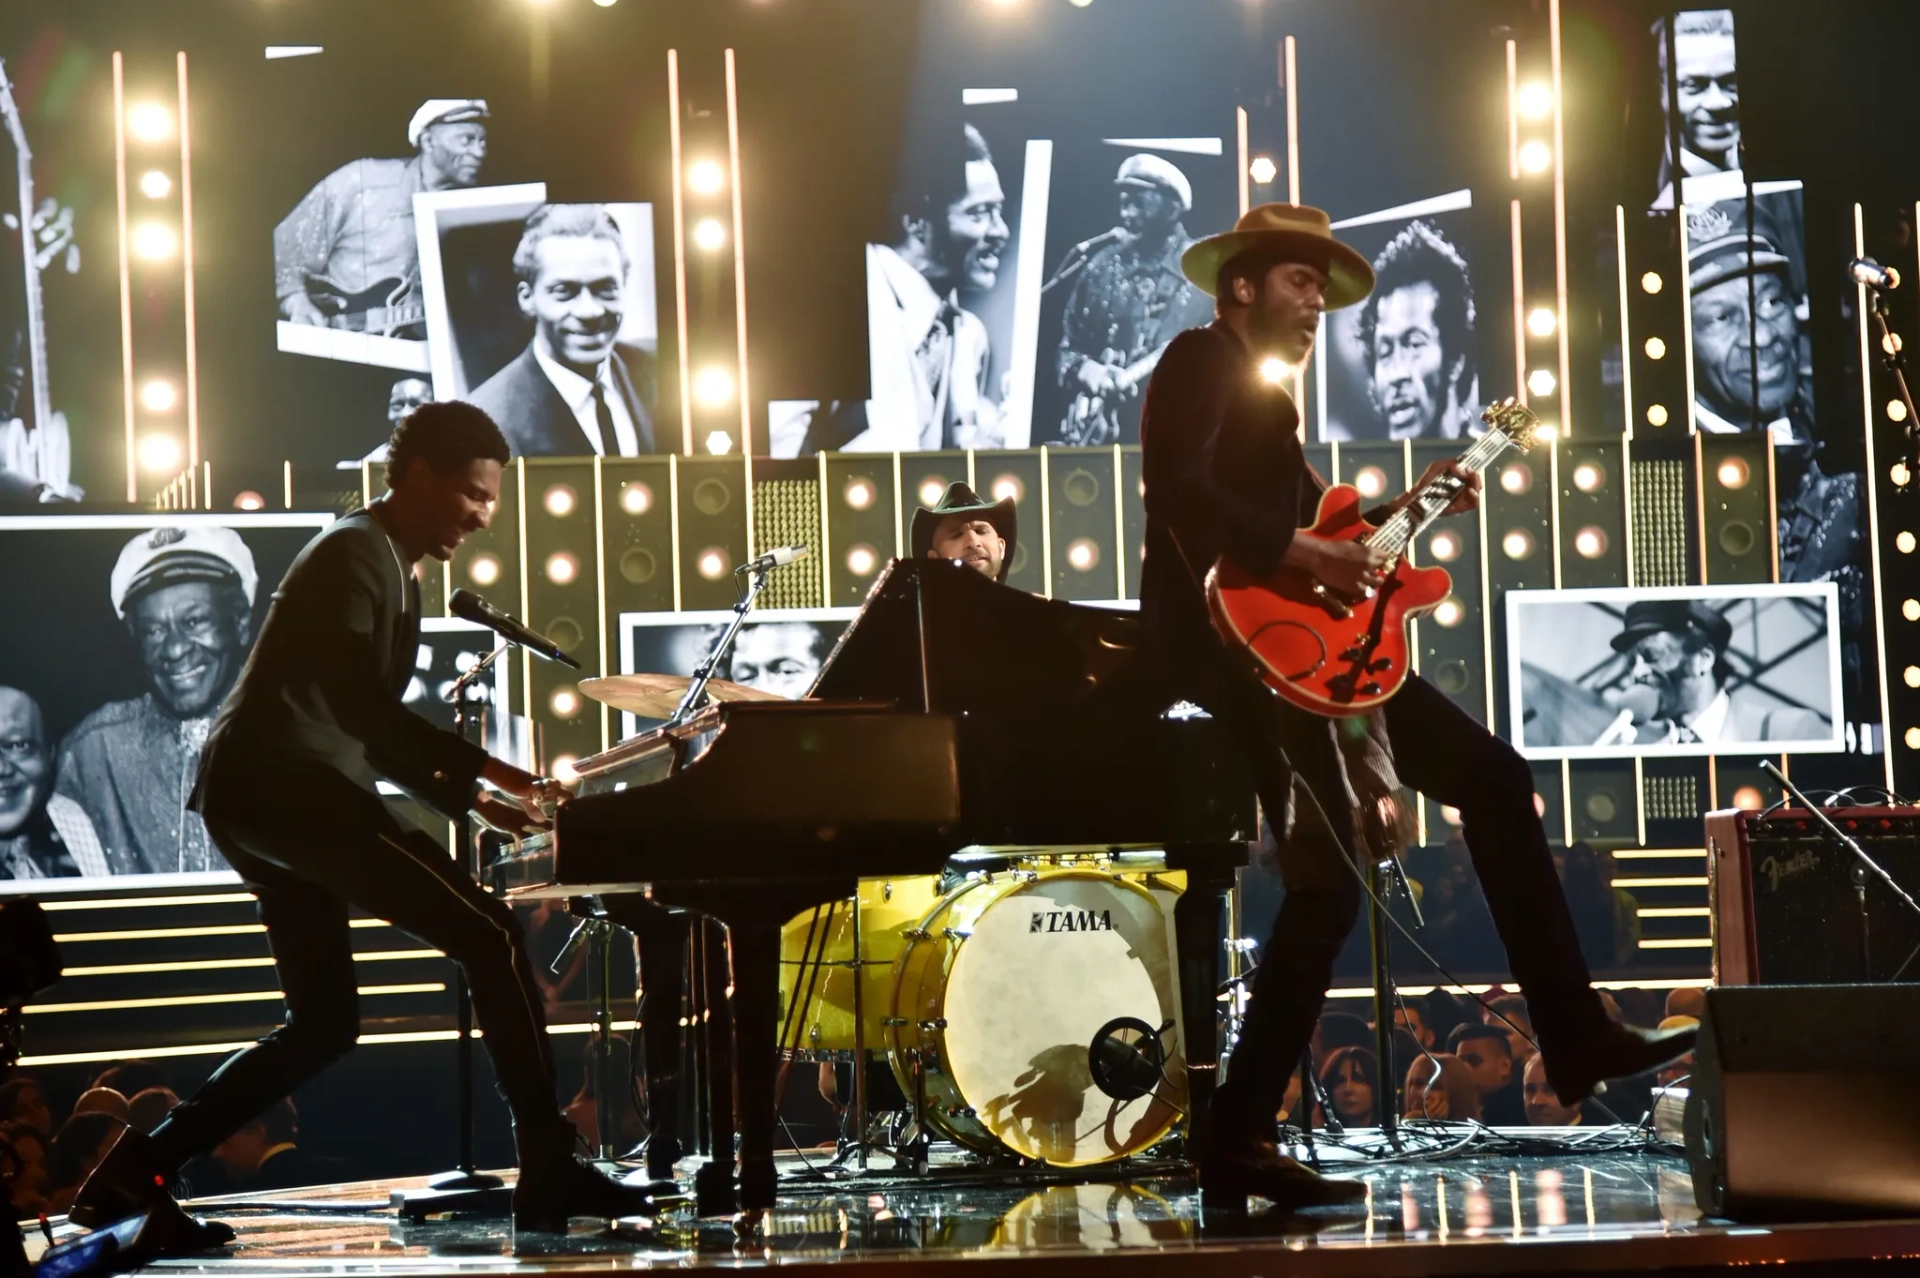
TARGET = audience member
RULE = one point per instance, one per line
(1488, 1056)
(1351, 1080)
(1439, 1086)
(1445, 1010)
(77, 1149)
(1336, 1030)
(1543, 1106)
(1683, 1067)
(1689, 1000)
(147, 1108)
(24, 1101)
(102, 1100)
(1412, 1017)
(27, 1172)
(1517, 1025)
(266, 1154)
(130, 1078)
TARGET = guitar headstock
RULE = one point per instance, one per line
(1513, 419)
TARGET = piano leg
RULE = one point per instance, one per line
(713, 1185)
(1198, 934)
(661, 937)
(756, 998)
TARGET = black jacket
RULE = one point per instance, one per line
(1224, 475)
(538, 423)
(324, 684)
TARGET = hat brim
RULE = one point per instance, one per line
(999, 513)
(1735, 267)
(1349, 275)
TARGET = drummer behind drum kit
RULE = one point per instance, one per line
(1028, 1005)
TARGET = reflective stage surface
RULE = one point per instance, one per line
(1501, 1210)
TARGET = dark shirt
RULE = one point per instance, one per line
(324, 684)
(1506, 1107)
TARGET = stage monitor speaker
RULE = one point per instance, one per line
(1802, 1102)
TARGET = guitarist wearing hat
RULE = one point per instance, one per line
(1225, 478)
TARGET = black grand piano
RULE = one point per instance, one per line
(954, 713)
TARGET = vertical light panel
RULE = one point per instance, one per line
(1686, 309)
(1519, 311)
(1513, 110)
(680, 255)
(1293, 127)
(739, 278)
(600, 590)
(186, 262)
(126, 275)
(1560, 224)
(1240, 141)
(1626, 336)
(1873, 499)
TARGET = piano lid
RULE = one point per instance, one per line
(936, 636)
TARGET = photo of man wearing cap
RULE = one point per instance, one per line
(346, 254)
(186, 596)
(1679, 681)
(43, 835)
(1129, 299)
(1747, 312)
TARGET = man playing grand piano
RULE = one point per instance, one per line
(1225, 475)
(287, 789)
(962, 527)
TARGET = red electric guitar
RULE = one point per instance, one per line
(1335, 654)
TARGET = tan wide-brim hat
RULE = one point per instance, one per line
(1293, 232)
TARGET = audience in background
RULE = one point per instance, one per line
(1336, 1030)
(1351, 1080)
(130, 1078)
(1445, 1011)
(1543, 1106)
(145, 1109)
(101, 1100)
(1687, 1001)
(1412, 1017)
(1517, 1025)
(23, 1101)
(77, 1149)
(27, 1171)
(1683, 1067)
(266, 1154)
(1439, 1086)
(1488, 1056)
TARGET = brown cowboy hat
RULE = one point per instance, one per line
(1292, 232)
(962, 500)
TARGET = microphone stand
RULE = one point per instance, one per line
(1895, 364)
(697, 690)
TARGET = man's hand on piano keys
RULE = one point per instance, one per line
(509, 818)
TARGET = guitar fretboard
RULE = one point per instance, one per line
(1397, 533)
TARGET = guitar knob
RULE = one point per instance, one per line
(1351, 654)
(1369, 689)
(1380, 664)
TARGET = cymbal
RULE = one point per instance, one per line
(655, 696)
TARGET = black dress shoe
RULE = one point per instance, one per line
(1614, 1051)
(555, 1186)
(130, 1181)
(1231, 1173)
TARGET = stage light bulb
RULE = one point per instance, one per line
(1083, 555)
(1912, 676)
(160, 452)
(249, 500)
(1541, 321)
(1079, 4)
(1541, 383)
(709, 233)
(1910, 609)
(1450, 612)
(565, 702)
(862, 560)
(149, 122)
(562, 568)
(1651, 282)
(1008, 486)
(1896, 410)
(606, 4)
(1274, 371)
(1450, 815)
(485, 570)
(1370, 481)
(1588, 476)
(1913, 738)
(704, 177)
(1656, 349)
(932, 488)
(1892, 343)
(155, 185)
(560, 501)
(1590, 542)
(713, 563)
(1517, 544)
(1263, 170)
(158, 395)
(858, 494)
(1535, 100)
(719, 443)
(712, 387)
(1545, 433)
(1899, 474)
(1535, 156)
(1749, 798)
(154, 241)
(565, 771)
(1732, 473)
(1444, 546)
(1656, 414)
(1516, 479)
(1904, 543)
(636, 499)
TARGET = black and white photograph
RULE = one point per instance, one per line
(138, 628)
(1404, 363)
(779, 651)
(1699, 87)
(1747, 301)
(346, 267)
(543, 314)
(449, 649)
(1701, 670)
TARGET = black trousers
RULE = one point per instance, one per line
(310, 844)
(1443, 753)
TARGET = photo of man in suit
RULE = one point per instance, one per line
(576, 390)
(1679, 665)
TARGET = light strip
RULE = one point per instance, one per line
(1119, 525)
(1486, 607)
(521, 491)
(1519, 311)
(1566, 786)
(1700, 480)
(1626, 338)
(126, 278)
(160, 933)
(1240, 140)
(223, 1049)
(222, 965)
(244, 996)
(1293, 127)
(1678, 943)
(1513, 110)
(1673, 881)
(1416, 991)
(1560, 228)
(826, 534)
(1686, 291)
(1873, 497)
(740, 285)
(1674, 912)
(286, 482)
(673, 497)
(1046, 524)
(145, 902)
(186, 261)
(679, 271)
(600, 586)
(1644, 854)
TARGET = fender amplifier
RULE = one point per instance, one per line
(1788, 908)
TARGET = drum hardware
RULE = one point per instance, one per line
(956, 934)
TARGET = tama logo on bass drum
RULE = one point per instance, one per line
(1071, 921)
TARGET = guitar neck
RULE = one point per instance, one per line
(1397, 533)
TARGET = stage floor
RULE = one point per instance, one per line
(1500, 1208)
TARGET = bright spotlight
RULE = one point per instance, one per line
(1541, 321)
(712, 387)
(1651, 282)
(1535, 157)
(1541, 383)
(606, 4)
(859, 494)
(1656, 348)
(1546, 433)
(1444, 546)
(931, 490)
(1656, 414)
(1904, 543)
(565, 702)
(1590, 542)
(1516, 479)
(1911, 610)
(719, 443)
(1913, 738)
(1899, 474)
(1263, 170)
(158, 395)
(636, 499)
(1896, 410)
(155, 185)
(249, 500)
(1008, 486)
(862, 560)
(704, 177)
(1371, 481)
(485, 570)
(1450, 612)
(1912, 675)
(154, 241)
(1588, 476)
(1749, 798)
(149, 122)
(1535, 100)
(160, 453)
(709, 233)
(1517, 544)
(560, 501)
(562, 568)
(1273, 371)
(564, 770)
(1083, 555)
(713, 563)
(1732, 473)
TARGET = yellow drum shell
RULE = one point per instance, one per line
(888, 909)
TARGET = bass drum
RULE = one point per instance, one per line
(999, 994)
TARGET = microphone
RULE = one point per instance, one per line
(1127, 1058)
(778, 557)
(1099, 241)
(1864, 270)
(471, 607)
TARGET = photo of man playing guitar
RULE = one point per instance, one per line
(1226, 480)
